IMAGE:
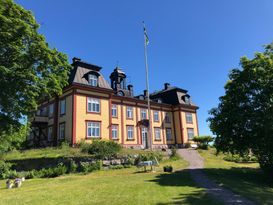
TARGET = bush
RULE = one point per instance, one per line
(72, 166)
(116, 167)
(84, 146)
(203, 141)
(187, 145)
(87, 167)
(4, 169)
(240, 159)
(174, 155)
(61, 169)
(102, 149)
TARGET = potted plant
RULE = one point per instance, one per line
(168, 168)
(18, 182)
(9, 184)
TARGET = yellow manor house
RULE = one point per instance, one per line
(90, 108)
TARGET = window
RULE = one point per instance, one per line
(92, 80)
(61, 131)
(130, 132)
(49, 133)
(114, 131)
(157, 133)
(93, 105)
(143, 114)
(114, 111)
(62, 107)
(51, 110)
(93, 130)
(169, 134)
(187, 100)
(129, 113)
(156, 116)
(167, 117)
(188, 117)
(190, 133)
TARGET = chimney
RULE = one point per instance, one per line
(75, 59)
(166, 86)
(145, 92)
(130, 88)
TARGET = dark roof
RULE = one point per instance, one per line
(86, 65)
(168, 90)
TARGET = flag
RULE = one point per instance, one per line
(145, 34)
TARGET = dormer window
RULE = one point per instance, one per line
(187, 99)
(93, 80)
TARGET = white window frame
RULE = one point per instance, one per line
(93, 80)
(62, 107)
(169, 134)
(93, 129)
(61, 131)
(93, 105)
(190, 134)
(189, 118)
(129, 112)
(114, 130)
(130, 132)
(114, 110)
(157, 131)
(143, 114)
(156, 116)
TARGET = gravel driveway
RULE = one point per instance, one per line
(222, 194)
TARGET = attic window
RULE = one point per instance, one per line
(93, 80)
(187, 99)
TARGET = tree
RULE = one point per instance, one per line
(29, 69)
(203, 141)
(243, 120)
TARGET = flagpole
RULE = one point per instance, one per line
(147, 88)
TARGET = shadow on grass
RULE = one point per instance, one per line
(248, 182)
(193, 194)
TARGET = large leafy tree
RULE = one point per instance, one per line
(29, 68)
(243, 119)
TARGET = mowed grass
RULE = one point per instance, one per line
(246, 179)
(126, 186)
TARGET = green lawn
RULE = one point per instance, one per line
(244, 178)
(126, 186)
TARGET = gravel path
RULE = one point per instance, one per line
(222, 194)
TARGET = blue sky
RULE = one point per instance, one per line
(193, 44)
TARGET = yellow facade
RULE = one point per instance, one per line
(76, 118)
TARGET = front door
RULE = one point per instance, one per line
(144, 134)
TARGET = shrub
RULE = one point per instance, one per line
(72, 166)
(30, 174)
(174, 155)
(87, 167)
(4, 169)
(61, 169)
(203, 141)
(116, 167)
(187, 145)
(104, 149)
(240, 159)
(84, 146)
